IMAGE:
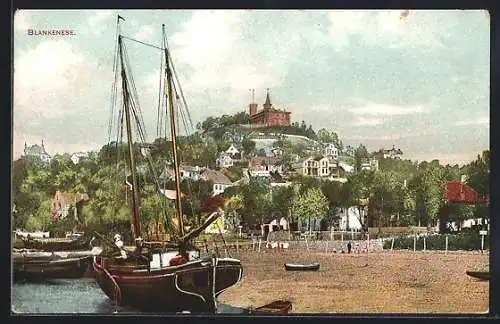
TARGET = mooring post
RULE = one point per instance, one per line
(392, 244)
(424, 244)
(326, 246)
(237, 246)
(342, 236)
(259, 244)
(414, 242)
(446, 244)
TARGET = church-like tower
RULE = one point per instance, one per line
(268, 116)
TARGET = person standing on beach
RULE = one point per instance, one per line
(349, 246)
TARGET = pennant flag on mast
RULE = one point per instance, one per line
(120, 17)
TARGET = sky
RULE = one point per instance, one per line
(418, 80)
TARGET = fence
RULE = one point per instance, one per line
(258, 244)
(439, 242)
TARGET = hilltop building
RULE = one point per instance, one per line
(37, 151)
(268, 116)
(390, 153)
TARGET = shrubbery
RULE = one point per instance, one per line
(463, 241)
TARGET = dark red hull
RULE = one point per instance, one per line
(275, 307)
(188, 287)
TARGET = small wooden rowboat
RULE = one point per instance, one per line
(275, 307)
(39, 266)
(302, 267)
(481, 275)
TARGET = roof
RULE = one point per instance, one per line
(314, 157)
(461, 193)
(189, 168)
(215, 176)
(273, 110)
(268, 99)
(264, 160)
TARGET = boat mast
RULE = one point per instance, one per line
(173, 132)
(136, 225)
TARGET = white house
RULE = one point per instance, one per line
(350, 215)
(261, 166)
(371, 165)
(232, 150)
(317, 166)
(185, 171)
(78, 157)
(331, 151)
(224, 161)
(220, 181)
(347, 167)
(391, 153)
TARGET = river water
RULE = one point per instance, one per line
(63, 296)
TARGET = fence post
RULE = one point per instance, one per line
(307, 245)
(446, 245)
(352, 234)
(259, 244)
(326, 246)
(331, 233)
(392, 244)
(237, 246)
(424, 244)
(342, 236)
(414, 242)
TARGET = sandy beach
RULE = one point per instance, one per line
(383, 282)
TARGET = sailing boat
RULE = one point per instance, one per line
(183, 280)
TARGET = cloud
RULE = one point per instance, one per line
(59, 93)
(361, 121)
(474, 121)
(96, 22)
(145, 32)
(386, 28)
(380, 109)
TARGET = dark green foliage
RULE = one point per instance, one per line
(462, 241)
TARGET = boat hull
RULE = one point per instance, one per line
(40, 268)
(188, 287)
(481, 275)
(275, 307)
(57, 244)
(302, 267)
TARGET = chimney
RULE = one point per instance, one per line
(252, 109)
(252, 106)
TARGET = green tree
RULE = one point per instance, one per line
(282, 198)
(360, 154)
(428, 187)
(311, 204)
(333, 192)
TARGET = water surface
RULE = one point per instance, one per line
(63, 296)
